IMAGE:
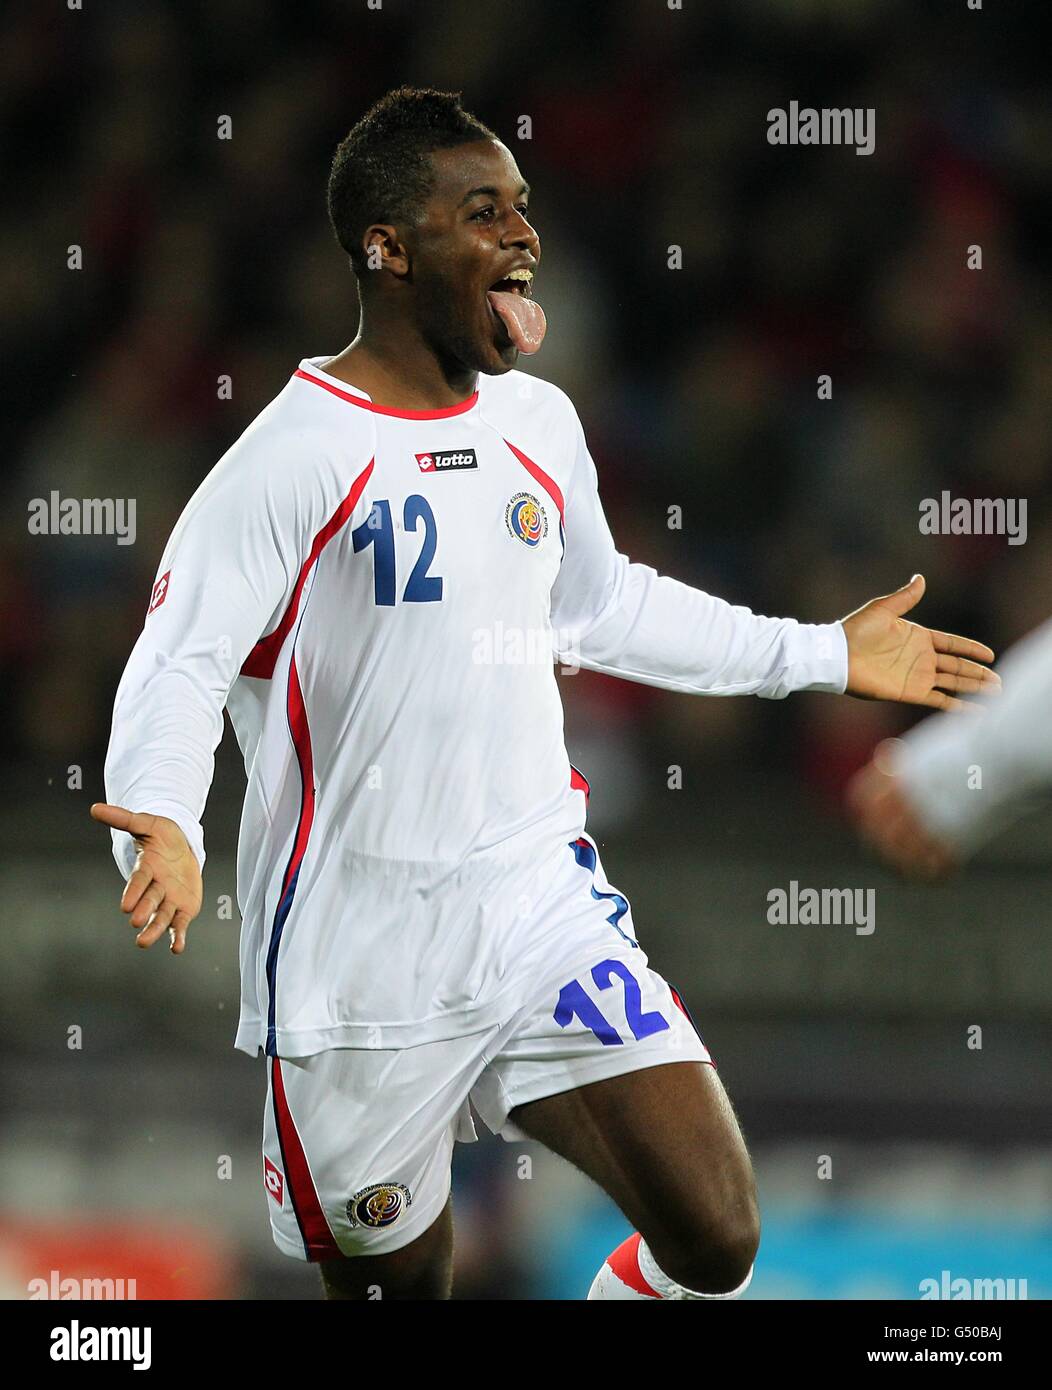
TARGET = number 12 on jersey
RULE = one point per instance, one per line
(377, 530)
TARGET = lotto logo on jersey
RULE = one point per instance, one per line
(273, 1181)
(160, 592)
(379, 1205)
(525, 518)
(446, 460)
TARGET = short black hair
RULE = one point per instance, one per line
(381, 171)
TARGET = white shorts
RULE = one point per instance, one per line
(357, 1143)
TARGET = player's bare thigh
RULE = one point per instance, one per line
(421, 1270)
(665, 1144)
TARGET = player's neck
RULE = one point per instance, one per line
(400, 372)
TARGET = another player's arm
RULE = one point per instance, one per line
(623, 618)
(928, 800)
(232, 561)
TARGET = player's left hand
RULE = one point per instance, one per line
(887, 819)
(890, 658)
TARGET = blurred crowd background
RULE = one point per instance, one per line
(698, 389)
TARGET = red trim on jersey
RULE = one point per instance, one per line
(263, 657)
(550, 486)
(625, 1264)
(386, 409)
(579, 782)
(688, 1016)
(317, 1238)
(296, 713)
(300, 729)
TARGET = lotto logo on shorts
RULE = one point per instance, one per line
(273, 1181)
(379, 1205)
(160, 592)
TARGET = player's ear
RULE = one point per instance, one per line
(384, 251)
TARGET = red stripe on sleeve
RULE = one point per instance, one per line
(550, 486)
(263, 657)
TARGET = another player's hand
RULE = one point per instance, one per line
(887, 819)
(164, 890)
(890, 658)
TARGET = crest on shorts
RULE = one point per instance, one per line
(526, 519)
(379, 1205)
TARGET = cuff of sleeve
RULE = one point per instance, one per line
(124, 851)
(936, 768)
(816, 657)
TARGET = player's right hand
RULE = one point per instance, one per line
(164, 890)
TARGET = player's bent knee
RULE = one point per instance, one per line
(712, 1252)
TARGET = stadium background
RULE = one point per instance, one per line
(697, 388)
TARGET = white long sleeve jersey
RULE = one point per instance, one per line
(377, 598)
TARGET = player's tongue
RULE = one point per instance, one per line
(523, 318)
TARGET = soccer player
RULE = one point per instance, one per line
(426, 921)
(928, 801)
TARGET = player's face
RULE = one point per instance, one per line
(473, 234)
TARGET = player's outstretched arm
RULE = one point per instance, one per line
(163, 892)
(890, 658)
(613, 615)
